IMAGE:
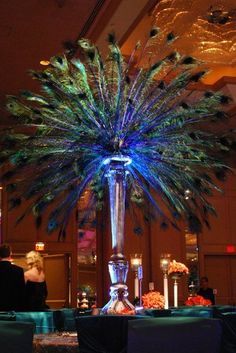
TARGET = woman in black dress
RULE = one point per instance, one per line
(36, 287)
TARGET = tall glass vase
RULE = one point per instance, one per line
(118, 265)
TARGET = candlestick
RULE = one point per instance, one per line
(136, 287)
(164, 264)
(166, 291)
(175, 293)
(136, 266)
(151, 286)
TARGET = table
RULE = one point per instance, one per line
(63, 342)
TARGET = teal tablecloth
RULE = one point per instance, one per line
(192, 311)
(44, 322)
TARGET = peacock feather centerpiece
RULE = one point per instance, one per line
(113, 122)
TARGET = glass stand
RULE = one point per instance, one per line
(118, 265)
(176, 277)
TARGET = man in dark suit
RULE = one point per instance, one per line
(12, 284)
(205, 291)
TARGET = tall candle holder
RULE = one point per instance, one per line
(136, 266)
(164, 264)
(176, 277)
(176, 271)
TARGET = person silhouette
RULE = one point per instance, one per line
(205, 291)
(12, 284)
(36, 287)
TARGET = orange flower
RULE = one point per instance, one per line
(175, 266)
(197, 300)
(153, 300)
(125, 311)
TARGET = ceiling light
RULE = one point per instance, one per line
(44, 62)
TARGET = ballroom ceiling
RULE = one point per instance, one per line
(36, 29)
(33, 30)
(204, 29)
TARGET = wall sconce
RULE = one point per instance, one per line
(164, 264)
(39, 246)
(136, 266)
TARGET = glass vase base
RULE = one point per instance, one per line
(119, 304)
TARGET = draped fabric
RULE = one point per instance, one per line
(103, 334)
(228, 319)
(112, 334)
(7, 316)
(174, 335)
(43, 320)
(158, 312)
(64, 319)
(192, 311)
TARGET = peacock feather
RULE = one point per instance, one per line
(91, 109)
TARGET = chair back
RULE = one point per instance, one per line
(228, 319)
(174, 335)
(16, 337)
(7, 316)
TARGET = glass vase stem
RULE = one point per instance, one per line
(117, 191)
(118, 265)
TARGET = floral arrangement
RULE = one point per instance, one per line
(153, 300)
(124, 311)
(177, 267)
(197, 300)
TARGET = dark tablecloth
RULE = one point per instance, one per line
(228, 320)
(174, 335)
(157, 312)
(104, 334)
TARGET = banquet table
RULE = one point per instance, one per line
(55, 329)
(63, 342)
(145, 334)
